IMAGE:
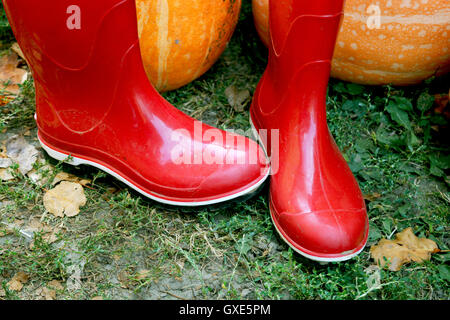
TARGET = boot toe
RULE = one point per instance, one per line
(245, 172)
(233, 181)
(327, 235)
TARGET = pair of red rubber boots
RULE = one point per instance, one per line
(95, 104)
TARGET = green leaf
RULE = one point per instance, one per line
(444, 272)
(438, 119)
(402, 103)
(374, 232)
(364, 145)
(355, 89)
(442, 161)
(388, 138)
(350, 105)
(371, 174)
(351, 88)
(406, 167)
(340, 87)
(399, 115)
(436, 171)
(356, 164)
(412, 141)
(443, 257)
(243, 246)
(387, 225)
(404, 210)
(425, 102)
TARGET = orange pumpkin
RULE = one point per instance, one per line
(410, 43)
(180, 41)
(261, 17)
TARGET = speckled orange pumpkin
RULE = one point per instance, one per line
(181, 40)
(411, 44)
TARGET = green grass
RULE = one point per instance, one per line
(394, 142)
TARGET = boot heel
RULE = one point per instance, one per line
(61, 156)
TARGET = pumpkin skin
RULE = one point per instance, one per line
(260, 10)
(411, 45)
(180, 41)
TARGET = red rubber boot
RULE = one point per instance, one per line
(315, 202)
(95, 103)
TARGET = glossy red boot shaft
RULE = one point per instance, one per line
(94, 102)
(316, 203)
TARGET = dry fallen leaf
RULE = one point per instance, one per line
(4, 100)
(372, 196)
(55, 284)
(40, 176)
(17, 282)
(46, 293)
(51, 237)
(64, 176)
(5, 230)
(10, 75)
(22, 153)
(373, 280)
(16, 48)
(5, 172)
(142, 274)
(405, 248)
(237, 98)
(124, 279)
(5, 175)
(65, 199)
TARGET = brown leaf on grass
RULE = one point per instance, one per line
(65, 199)
(237, 98)
(124, 279)
(64, 176)
(22, 153)
(5, 230)
(34, 225)
(55, 284)
(45, 294)
(40, 176)
(10, 75)
(142, 274)
(5, 163)
(372, 196)
(16, 48)
(17, 282)
(5, 175)
(51, 237)
(4, 100)
(405, 248)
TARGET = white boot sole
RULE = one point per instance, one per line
(78, 161)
